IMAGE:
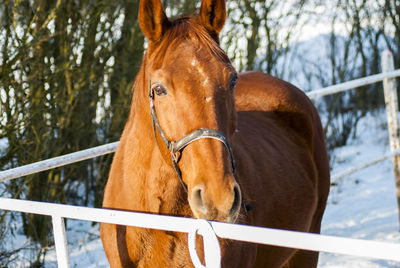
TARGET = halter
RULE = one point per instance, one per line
(176, 147)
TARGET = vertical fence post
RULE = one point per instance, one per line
(60, 241)
(391, 102)
(212, 249)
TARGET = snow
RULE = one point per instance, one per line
(3, 144)
(363, 205)
(85, 247)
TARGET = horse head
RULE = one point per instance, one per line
(191, 82)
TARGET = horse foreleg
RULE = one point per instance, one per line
(114, 243)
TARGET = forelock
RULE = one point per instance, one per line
(182, 29)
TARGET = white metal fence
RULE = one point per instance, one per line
(208, 229)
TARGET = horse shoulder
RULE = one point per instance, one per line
(292, 109)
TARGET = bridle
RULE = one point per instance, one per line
(176, 147)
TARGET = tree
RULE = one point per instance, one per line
(258, 33)
(67, 69)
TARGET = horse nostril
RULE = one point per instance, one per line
(197, 197)
(236, 201)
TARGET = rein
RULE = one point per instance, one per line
(176, 147)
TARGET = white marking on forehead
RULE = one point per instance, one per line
(201, 71)
(204, 82)
(208, 99)
(203, 74)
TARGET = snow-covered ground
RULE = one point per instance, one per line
(362, 205)
(85, 248)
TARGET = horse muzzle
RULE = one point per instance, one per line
(221, 204)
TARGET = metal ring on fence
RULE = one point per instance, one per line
(212, 250)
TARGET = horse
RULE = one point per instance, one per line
(206, 142)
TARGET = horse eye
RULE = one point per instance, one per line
(233, 82)
(160, 90)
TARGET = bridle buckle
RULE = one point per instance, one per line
(176, 156)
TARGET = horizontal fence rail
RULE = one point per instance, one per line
(340, 175)
(58, 161)
(352, 84)
(267, 236)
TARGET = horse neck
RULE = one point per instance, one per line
(160, 190)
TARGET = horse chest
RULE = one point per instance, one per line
(152, 248)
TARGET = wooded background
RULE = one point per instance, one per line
(67, 69)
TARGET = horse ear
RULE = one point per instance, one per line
(212, 15)
(152, 19)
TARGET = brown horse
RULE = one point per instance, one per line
(186, 105)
